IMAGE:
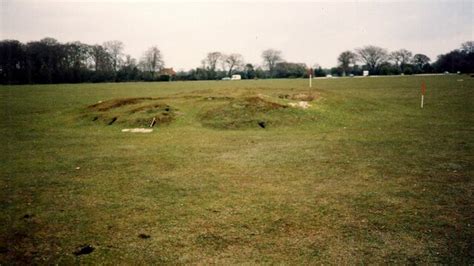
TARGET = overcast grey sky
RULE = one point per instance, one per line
(306, 32)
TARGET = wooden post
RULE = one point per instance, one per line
(423, 91)
(153, 122)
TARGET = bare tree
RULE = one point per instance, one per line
(372, 56)
(102, 60)
(210, 63)
(130, 61)
(271, 58)
(152, 60)
(211, 60)
(401, 58)
(115, 50)
(232, 62)
(346, 59)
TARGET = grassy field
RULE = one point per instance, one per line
(233, 174)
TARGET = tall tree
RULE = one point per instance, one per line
(115, 50)
(77, 56)
(401, 58)
(457, 60)
(249, 71)
(102, 61)
(44, 60)
(12, 62)
(346, 59)
(420, 61)
(372, 56)
(210, 63)
(290, 70)
(152, 60)
(129, 70)
(270, 58)
(232, 62)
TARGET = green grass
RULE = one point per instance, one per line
(362, 176)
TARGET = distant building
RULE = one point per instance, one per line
(167, 74)
(365, 73)
(168, 71)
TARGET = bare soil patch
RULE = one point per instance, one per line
(308, 97)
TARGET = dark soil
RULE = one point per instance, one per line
(83, 250)
(144, 236)
(27, 216)
(112, 121)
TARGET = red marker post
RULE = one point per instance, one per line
(423, 91)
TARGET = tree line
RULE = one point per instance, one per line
(378, 61)
(217, 65)
(49, 61)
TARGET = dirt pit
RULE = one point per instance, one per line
(141, 112)
(307, 97)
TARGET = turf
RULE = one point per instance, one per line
(362, 176)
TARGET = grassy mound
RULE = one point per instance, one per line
(132, 112)
(251, 112)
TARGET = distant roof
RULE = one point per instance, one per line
(168, 71)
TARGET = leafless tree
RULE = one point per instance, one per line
(115, 50)
(232, 62)
(270, 58)
(130, 61)
(372, 56)
(152, 60)
(211, 60)
(346, 59)
(101, 59)
(210, 63)
(401, 58)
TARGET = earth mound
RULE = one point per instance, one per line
(250, 112)
(133, 112)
